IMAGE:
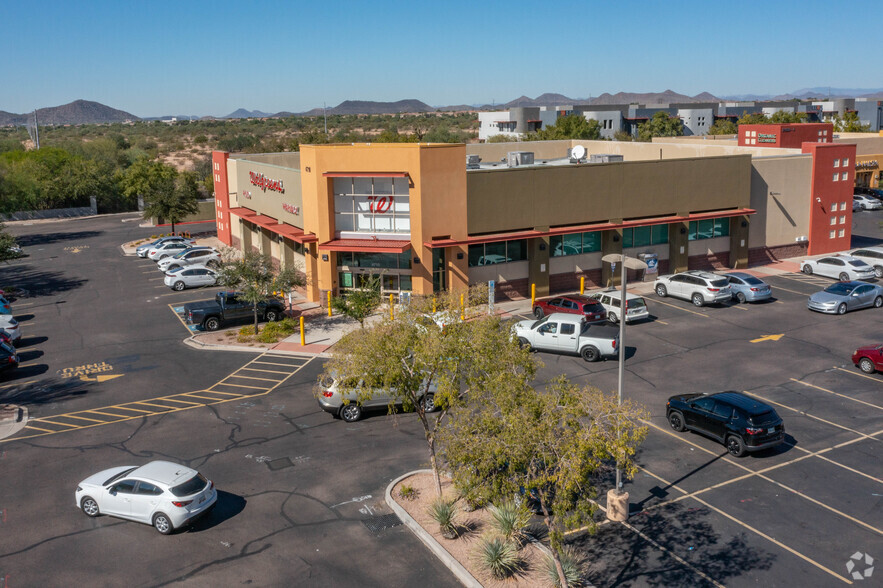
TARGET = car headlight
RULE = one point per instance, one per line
(79, 489)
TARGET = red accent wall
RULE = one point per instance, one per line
(222, 196)
(790, 136)
(830, 200)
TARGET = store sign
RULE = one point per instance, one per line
(766, 137)
(380, 203)
(866, 164)
(291, 209)
(265, 183)
(246, 194)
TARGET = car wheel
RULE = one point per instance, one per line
(676, 420)
(807, 270)
(661, 291)
(866, 365)
(878, 271)
(740, 297)
(90, 507)
(735, 446)
(878, 301)
(590, 353)
(842, 308)
(212, 324)
(162, 523)
(179, 285)
(697, 299)
(162, 257)
(351, 412)
(538, 312)
(272, 316)
(844, 277)
(522, 342)
(214, 264)
(611, 316)
(428, 403)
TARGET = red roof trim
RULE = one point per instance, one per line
(588, 228)
(365, 174)
(273, 225)
(366, 245)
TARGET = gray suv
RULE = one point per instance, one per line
(699, 287)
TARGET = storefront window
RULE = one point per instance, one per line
(499, 252)
(659, 234)
(372, 205)
(575, 243)
(405, 283)
(345, 279)
(709, 229)
(378, 260)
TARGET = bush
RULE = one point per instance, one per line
(572, 564)
(498, 556)
(245, 334)
(509, 519)
(408, 492)
(444, 513)
(272, 332)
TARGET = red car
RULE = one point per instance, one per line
(869, 358)
(575, 304)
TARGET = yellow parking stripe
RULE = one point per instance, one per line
(806, 414)
(17, 383)
(252, 378)
(73, 416)
(167, 399)
(240, 386)
(271, 363)
(193, 395)
(119, 416)
(837, 394)
(54, 423)
(158, 405)
(854, 373)
(260, 370)
(123, 407)
(30, 426)
(678, 307)
(219, 392)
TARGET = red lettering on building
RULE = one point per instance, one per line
(380, 204)
(290, 209)
(265, 183)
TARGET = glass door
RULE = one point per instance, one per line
(438, 270)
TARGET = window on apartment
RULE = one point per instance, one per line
(846, 162)
(843, 220)
(841, 233)
(842, 206)
(833, 220)
(832, 234)
(836, 163)
(500, 252)
(836, 176)
(845, 176)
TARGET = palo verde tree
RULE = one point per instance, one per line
(553, 445)
(255, 278)
(429, 362)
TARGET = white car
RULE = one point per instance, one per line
(160, 493)
(867, 202)
(699, 287)
(840, 267)
(191, 276)
(164, 250)
(873, 256)
(10, 325)
(192, 256)
(144, 249)
(635, 306)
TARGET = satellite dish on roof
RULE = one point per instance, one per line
(578, 152)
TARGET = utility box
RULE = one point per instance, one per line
(652, 261)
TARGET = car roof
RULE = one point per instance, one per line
(614, 293)
(743, 401)
(877, 248)
(164, 472)
(565, 316)
(702, 274)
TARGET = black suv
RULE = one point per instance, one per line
(740, 422)
(8, 357)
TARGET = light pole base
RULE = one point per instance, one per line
(617, 505)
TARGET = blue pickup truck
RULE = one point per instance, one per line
(228, 306)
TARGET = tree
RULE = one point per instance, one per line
(501, 139)
(409, 357)
(551, 446)
(661, 124)
(753, 118)
(572, 126)
(7, 245)
(360, 302)
(849, 123)
(253, 275)
(723, 126)
(622, 136)
(783, 117)
(167, 194)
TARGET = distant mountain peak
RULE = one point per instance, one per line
(78, 112)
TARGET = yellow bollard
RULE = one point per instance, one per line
(433, 306)
(329, 303)
(533, 294)
(391, 316)
(303, 340)
(582, 285)
(462, 308)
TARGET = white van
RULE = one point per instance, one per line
(636, 308)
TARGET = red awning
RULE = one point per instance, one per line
(628, 224)
(366, 245)
(365, 175)
(271, 224)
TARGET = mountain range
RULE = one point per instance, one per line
(87, 112)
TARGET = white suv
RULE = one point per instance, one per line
(636, 308)
(207, 256)
(699, 287)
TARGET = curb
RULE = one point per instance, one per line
(192, 342)
(11, 423)
(434, 546)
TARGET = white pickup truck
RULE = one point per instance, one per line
(568, 333)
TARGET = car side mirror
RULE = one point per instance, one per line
(112, 492)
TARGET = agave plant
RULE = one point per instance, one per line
(509, 519)
(498, 556)
(573, 568)
(444, 512)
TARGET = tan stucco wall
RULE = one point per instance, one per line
(865, 143)
(780, 192)
(268, 202)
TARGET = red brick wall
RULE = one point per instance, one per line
(826, 195)
(790, 136)
(765, 255)
(512, 290)
(222, 195)
(569, 282)
(714, 261)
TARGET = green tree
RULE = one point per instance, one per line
(661, 124)
(253, 275)
(553, 445)
(501, 139)
(359, 303)
(622, 136)
(167, 195)
(572, 126)
(408, 357)
(783, 117)
(7, 242)
(723, 126)
(753, 118)
(849, 123)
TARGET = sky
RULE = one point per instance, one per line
(194, 57)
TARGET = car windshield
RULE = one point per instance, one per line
(840, 288)
(592, 307)
(7, 348)
(191, 486)
(764, 418)
(753, 281)
(539, 322)
(719, 283)
(858, 263)
(118, 476)
(635, 303)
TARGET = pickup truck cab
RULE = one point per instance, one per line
(227, 306)
(568, 333)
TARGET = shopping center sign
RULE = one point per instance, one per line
(265, 183)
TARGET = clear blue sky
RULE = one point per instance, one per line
(209, 58)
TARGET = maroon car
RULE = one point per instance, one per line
(869, 358)
(575, 304)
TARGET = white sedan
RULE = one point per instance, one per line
(160, 493)
(841, 267)
(10, 325)
(164, 250)
(867, 202)
(193, 276)
(192, 256)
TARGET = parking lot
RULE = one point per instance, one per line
(109, 382)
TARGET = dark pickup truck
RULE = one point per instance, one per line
(228, 307)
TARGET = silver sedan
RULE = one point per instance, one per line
(190, 277)
(844, 296)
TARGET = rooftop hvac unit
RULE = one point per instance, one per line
(472, 161)
(516, 158)
(604, 158)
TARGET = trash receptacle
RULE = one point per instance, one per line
(652, 261)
